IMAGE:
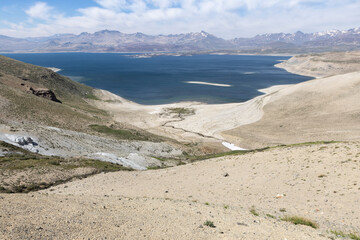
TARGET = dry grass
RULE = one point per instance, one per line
(300, 220)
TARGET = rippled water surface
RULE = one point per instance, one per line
(167, 79)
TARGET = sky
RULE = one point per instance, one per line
(223, 18)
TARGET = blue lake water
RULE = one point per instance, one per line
(163, 79)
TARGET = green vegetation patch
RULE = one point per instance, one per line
(126, 134)
(270, 216)
(209, 223)
(300, 221)
(91, 96)
(353, 236)
(193, 158)
(181, 111)
(253, 211)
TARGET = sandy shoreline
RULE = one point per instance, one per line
(218, 123)
(205, 125)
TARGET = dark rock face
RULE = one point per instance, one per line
(42, 92)
(45, 93)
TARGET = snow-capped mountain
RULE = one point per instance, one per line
(115, 41)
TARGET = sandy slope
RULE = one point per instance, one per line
(318, 182)
(323, 64)
(320, 109)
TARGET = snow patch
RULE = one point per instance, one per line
(109, 157)
(232, 147)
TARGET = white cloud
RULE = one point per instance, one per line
(224, 18)
(40, 10)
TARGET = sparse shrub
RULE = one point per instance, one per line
(300, 220)
(353, 236)
(253, 211)
(209, 224)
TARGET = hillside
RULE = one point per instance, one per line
(321, 109)
(323, 65)
(326, 108)
(244, 197)
(59, 118)
(282, 189)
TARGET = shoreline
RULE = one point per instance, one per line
(207, 123)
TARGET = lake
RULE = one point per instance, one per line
(167, 79)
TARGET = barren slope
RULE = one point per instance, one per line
(321, 109)
(323, 64)
(318, 182)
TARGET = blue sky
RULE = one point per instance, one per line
(224, 18)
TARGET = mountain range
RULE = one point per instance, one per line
(115, 41)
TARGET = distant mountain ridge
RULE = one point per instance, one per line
(115, 41)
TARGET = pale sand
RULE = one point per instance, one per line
(319, 182)
(318, 110)
(205, 125)
(210, 84)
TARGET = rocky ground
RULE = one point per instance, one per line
(244, 197)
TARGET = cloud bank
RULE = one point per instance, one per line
(224, 18)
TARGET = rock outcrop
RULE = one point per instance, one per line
(42, 92)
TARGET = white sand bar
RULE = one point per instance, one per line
(54, 69)
(211, 84)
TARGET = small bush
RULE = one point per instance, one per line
(253, 211)
(209, 224)
(300, 221)
(181, 111)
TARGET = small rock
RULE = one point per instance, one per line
(256, 221)
(166, 191)
(280, 195)
(201, 226)
(226, 175)
(242, 224)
